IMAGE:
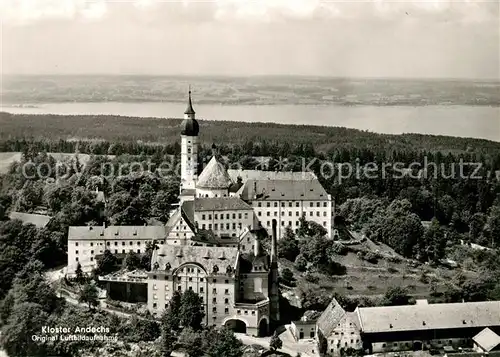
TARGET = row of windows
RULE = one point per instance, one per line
(214, 309)
(116, 243)
(216, 226)
(228, 216)
(290, 204)
(155, 277)
(290, 223)
(297, 213)
(206, 195)
(407, 344)
(116, 252)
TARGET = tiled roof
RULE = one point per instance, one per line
(214, 176)
(38, 220)
(207, 236)
(432, 316)
(270, 175)
(187, 212)
(116, 232)
(330, 317)
(283, 190)
(251, 263)
(487, 339)
(220, 204)
(207, 257)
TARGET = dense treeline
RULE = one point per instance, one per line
(119, 129)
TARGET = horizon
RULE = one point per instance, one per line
(368, 39)
(231, 76)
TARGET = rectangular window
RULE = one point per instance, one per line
(239, 215)
(259, 204)
(226, 310)
(216, 226)
(268, 204)
(227, 216)
(215, 216)
(214, 291)
(209, 216)
(275, 204)
(311, 204)
(234, 215)
(203, 217)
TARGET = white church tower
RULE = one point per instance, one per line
(189, 150)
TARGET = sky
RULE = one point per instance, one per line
(379, 38)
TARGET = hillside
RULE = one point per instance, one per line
(363, 279)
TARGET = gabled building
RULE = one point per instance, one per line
(337, 329)
(486, 341)
(238, 290)
(86, 243)
(426, 326)
(282, 196)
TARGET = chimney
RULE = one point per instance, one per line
(256, 247)
(274, 244)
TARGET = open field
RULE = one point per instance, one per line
(7, 158)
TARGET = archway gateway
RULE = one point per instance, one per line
(263, 328)
(236, 325)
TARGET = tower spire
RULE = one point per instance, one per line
(189, 109)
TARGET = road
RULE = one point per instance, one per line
(290, 346)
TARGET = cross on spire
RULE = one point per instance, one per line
(189, 109)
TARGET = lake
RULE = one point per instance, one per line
(454, 120)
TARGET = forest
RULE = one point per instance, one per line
(425, 214)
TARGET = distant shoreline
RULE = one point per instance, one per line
(165, 130)
(448, 120)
